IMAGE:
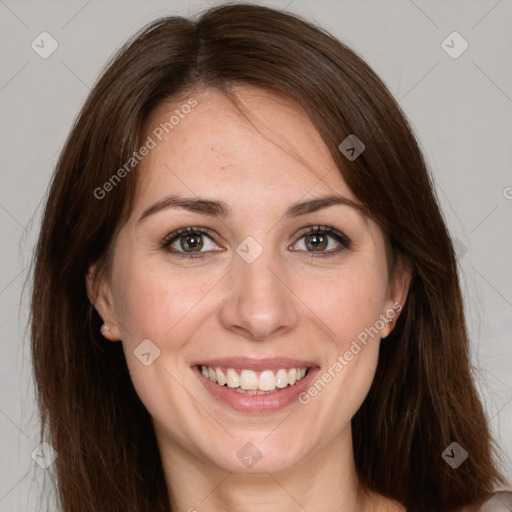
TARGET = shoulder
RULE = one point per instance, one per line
(500, 501)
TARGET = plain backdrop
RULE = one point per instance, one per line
(460, 108)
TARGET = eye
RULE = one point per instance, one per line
(317, 239)
(188, 242)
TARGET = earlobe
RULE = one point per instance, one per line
(388, 327)
(100, 297)
(106, 332)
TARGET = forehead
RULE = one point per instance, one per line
(269, 146)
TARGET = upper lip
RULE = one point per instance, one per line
(270, 363)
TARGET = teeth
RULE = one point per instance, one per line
(232, 378)
(282, 378)
(252, 391)
(221, 378)
(251, 382)
(267, 381)
(248, 379)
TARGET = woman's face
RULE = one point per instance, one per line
(248, 297)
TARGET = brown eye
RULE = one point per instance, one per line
(194, 242)
(188, 242)
(316, 242)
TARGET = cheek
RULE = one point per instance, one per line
(167, 306)
(351, 303)
(350, 307)
(151, 303)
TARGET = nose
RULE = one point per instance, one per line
(260, 304)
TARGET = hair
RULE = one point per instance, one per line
(423, 396)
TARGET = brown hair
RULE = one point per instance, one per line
(423, 396)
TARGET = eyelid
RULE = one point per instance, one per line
(167, 240)
(340, 237)
(326, 230)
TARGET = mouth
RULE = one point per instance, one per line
(252, 385)
(250, 382)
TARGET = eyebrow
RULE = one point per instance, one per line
(221, 209)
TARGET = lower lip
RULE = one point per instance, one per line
(257, 403)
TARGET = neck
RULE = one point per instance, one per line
(326, 480)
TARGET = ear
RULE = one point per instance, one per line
(398, 289)
(100, 296)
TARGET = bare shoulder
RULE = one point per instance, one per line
(376, 502)
(390, 505)
(500, 501)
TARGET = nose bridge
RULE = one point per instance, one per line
(259, 303)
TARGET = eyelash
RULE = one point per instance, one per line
(345, 242)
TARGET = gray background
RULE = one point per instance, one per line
(461, 110)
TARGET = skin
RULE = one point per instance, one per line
(285, 303)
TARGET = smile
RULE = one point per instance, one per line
(251, 382)
(253, 385)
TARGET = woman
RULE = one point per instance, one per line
(242, 204)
